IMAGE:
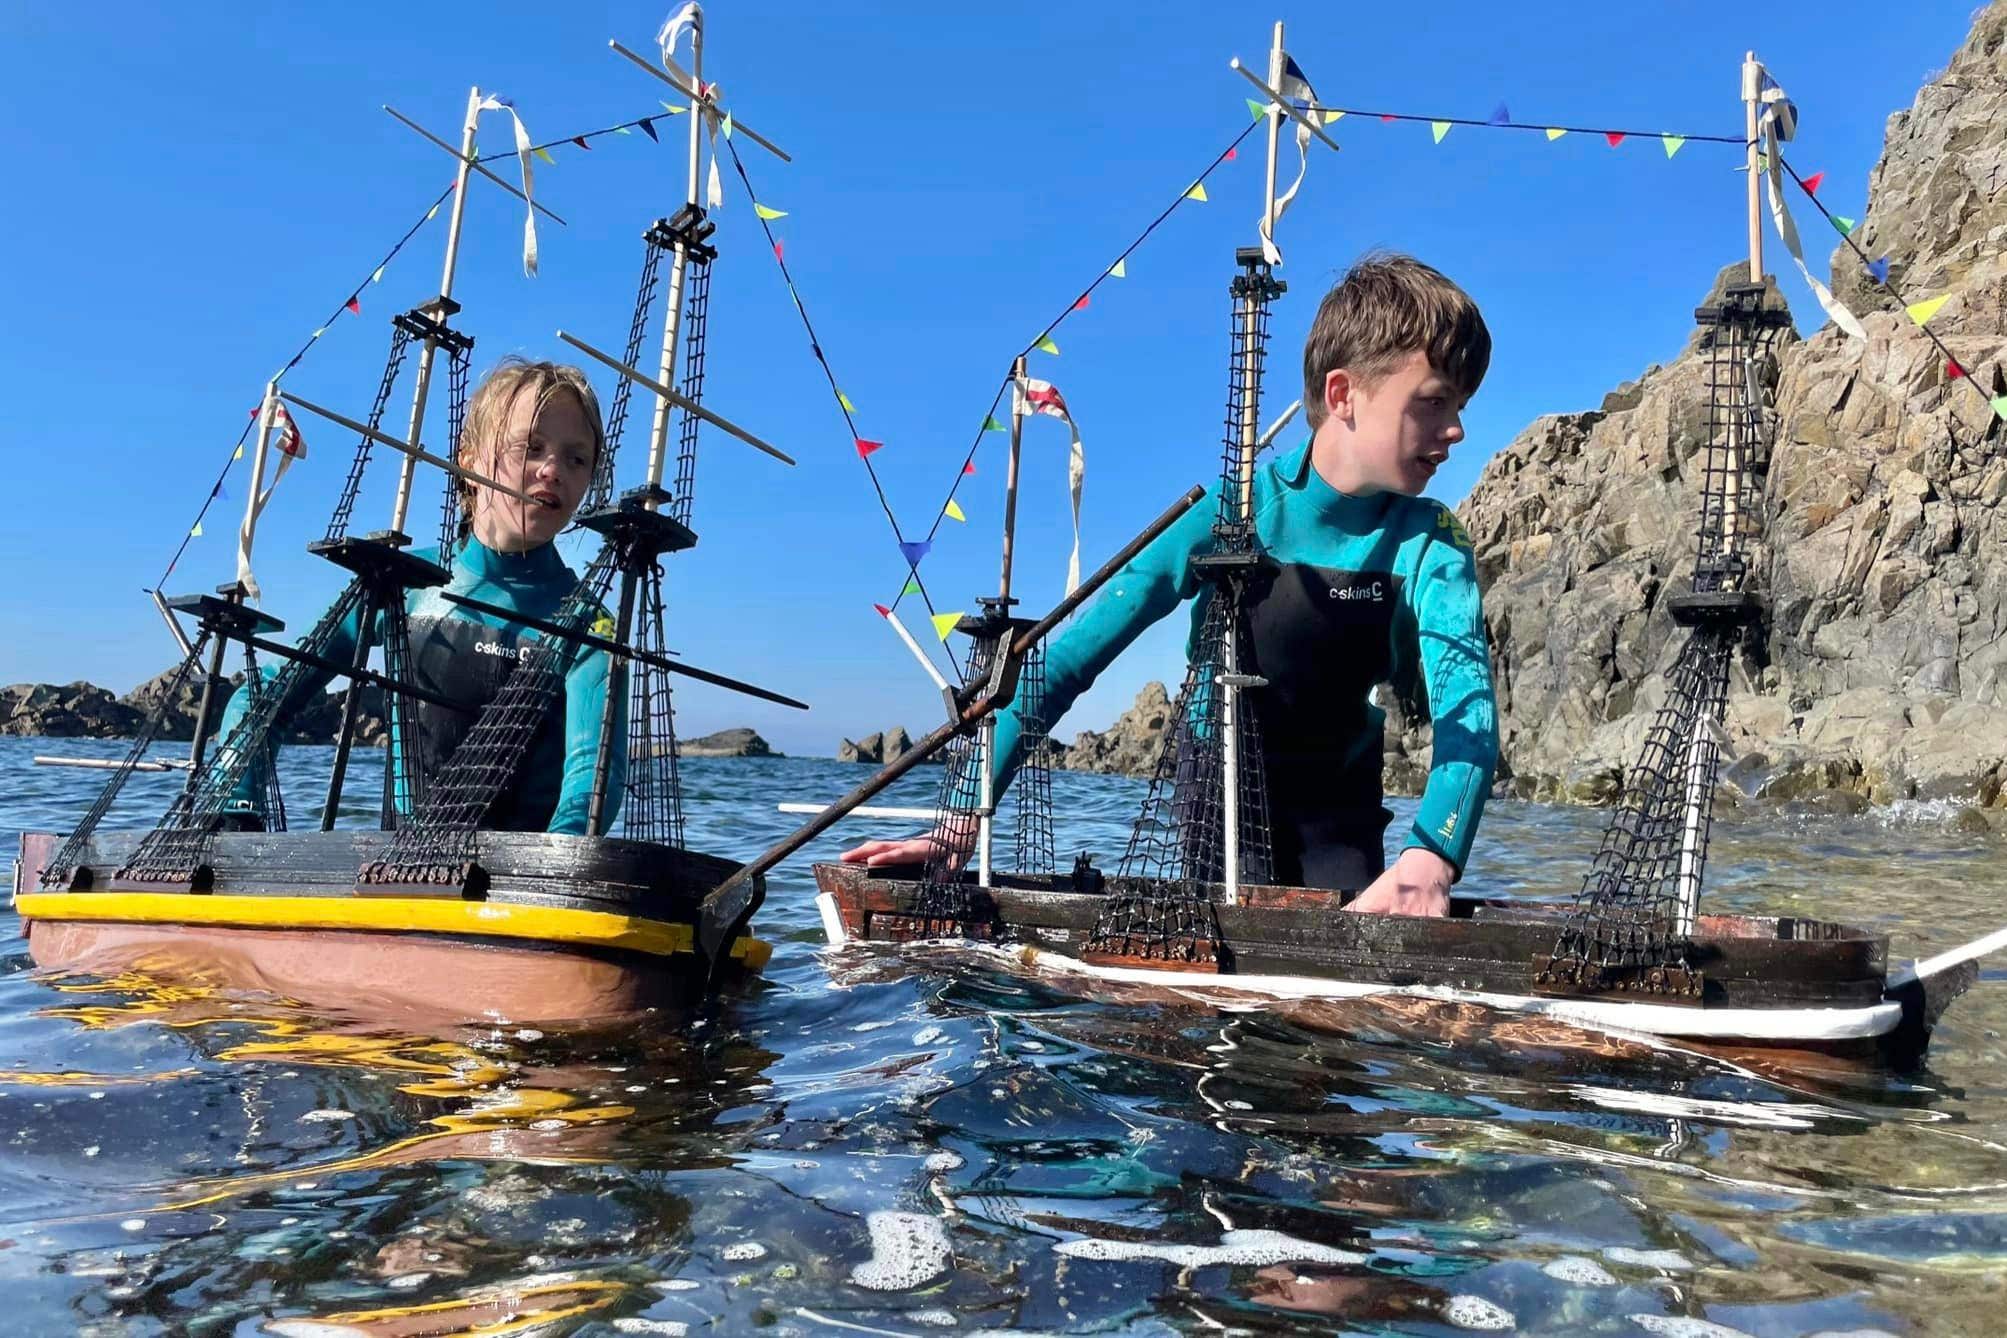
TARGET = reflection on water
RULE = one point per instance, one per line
(928, 1142)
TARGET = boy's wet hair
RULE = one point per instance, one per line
(488, 415)
(1385, 308)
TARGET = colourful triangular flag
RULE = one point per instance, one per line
(354, 304)
(1197, 192)
(1259, 108)
(778, 253)
(1331, 116)
(768, 214)
(1553, 134)
(240, 446)
(865, 448)
(1672, 143)
(1880, 269)
(1120, 269)
(912, 587)
(545, 154)
(914, 550)
(1046, 344)
(674, 109)
(1081, 305)
(884, 612)
(1615, 137)
(432, 213)
(1440, 128)
(844, 400)
(968, 467)
(953, 511)
(1500, 116)
(1232, 153)
(220, 493)
(622, 130)
(1844, 224)
(727, 126)
(378, 276)
(196, 533)
(1388, 116)
(318, 332)
(990, 424)
(1811, 183)
(1999, 403)
(648, 129)
(580, 141)
(1952, 371)
(1924, 310)
(944, 623)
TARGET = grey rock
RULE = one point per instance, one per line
(739, 742)
(67, 711)
(1130, 746)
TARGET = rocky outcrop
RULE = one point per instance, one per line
(84, 710)
(1129, 747)
(1882, 669)
(70, 711)
(726, 743)
(879, 749)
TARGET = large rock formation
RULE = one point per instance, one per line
(70, 711)
(1882, 669)
(879, 749)
(726, 743)
(1129, 747)
(84, 710)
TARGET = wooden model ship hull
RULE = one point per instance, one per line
(555, 929)
(1759, 981)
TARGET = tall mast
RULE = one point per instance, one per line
(679, 265)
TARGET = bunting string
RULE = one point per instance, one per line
(1919, 312)
(1439, 127)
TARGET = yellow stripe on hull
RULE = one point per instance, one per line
(406, 915)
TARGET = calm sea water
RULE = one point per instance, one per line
(907, 1143)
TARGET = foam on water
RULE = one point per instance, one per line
(740, 1251)
(906, 1250)
(1474, 1312)
(1669, 1261)
(1235, 1247)
(1581, 1271)
(1679, 1326)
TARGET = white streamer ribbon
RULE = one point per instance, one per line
(689, 19)
(495, 102)
(1780, 122)
(1042, 397)
(291, 446)
(1269, 251)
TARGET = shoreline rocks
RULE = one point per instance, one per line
(739, 742)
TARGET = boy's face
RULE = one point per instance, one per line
(1401, 426)
(548, 454)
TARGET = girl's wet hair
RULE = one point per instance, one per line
(488, 414)
(1384, 309)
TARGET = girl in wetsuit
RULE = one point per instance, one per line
(534, 427)
(1369, 583)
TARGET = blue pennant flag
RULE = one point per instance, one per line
(1501, 116)
(1880, 269)
(916, 550)
(648, 129)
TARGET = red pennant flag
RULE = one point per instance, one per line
(1081, 305)
(355, 305)
(1232, 154)
(1953, 370)
(865, 448)
(1387, 116)
(1615, 137)
(777, 252)
(580, 141)
(883, 612)
(968, 467)
(254, 412)
(1812, 183)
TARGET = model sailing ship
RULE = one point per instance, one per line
(432, 912)
(1191, 906)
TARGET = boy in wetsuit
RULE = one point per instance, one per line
(1371, 583)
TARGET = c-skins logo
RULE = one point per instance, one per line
(1375, 592)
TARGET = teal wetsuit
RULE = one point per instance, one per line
(465, 655)
(1362, 591)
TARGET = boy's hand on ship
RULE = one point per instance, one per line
(911, 850)
(1417, 883)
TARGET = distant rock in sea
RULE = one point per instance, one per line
(726, 743)
(879, 749)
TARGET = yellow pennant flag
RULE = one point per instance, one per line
(1553, 134)
(844, 400)
(240, 453)
(378, 276)
(545, 154)
(944, 623)
(1120, 270)
(1672, 143)
(1331, 116)
(769, 214)
(196, 533)
(432, 213)
(1924, 310)
(953, 511)
(727, 127)
(1046, 344)
(1440, 128)
(1197, 192)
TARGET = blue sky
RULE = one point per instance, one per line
(195, 188)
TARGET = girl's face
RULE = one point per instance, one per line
(547, 453)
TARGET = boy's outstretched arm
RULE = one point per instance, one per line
(1456, 673)
(1146, 590)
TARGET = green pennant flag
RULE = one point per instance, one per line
(768, 214)
(990, 424)
(1259, 108)
(1999, 403)
(1844, 224)
(1120, 270)
(1439, 129)
(1046, 344)
(1672, 143)
(545, 154)
(912, 587)
(622, 130)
